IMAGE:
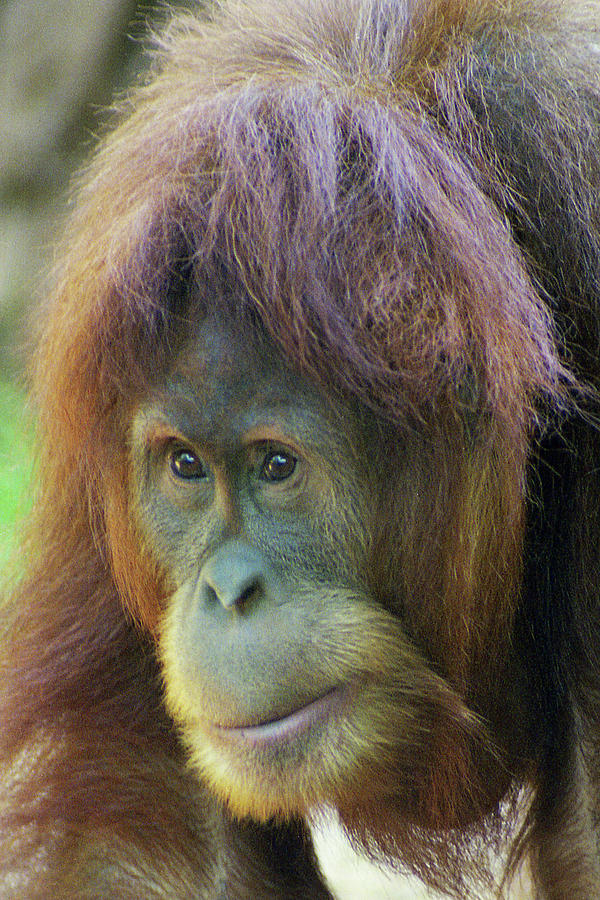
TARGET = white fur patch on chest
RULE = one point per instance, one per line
(353, 876)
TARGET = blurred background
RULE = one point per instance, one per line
(62, 62)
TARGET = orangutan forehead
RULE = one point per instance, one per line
(226, 371)
(226, 363)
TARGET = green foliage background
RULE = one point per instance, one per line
(15, 465)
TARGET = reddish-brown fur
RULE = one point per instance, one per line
(408, 194)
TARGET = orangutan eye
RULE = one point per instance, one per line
(186, 465)
(278, 465)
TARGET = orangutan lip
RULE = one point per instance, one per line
(289, 727)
